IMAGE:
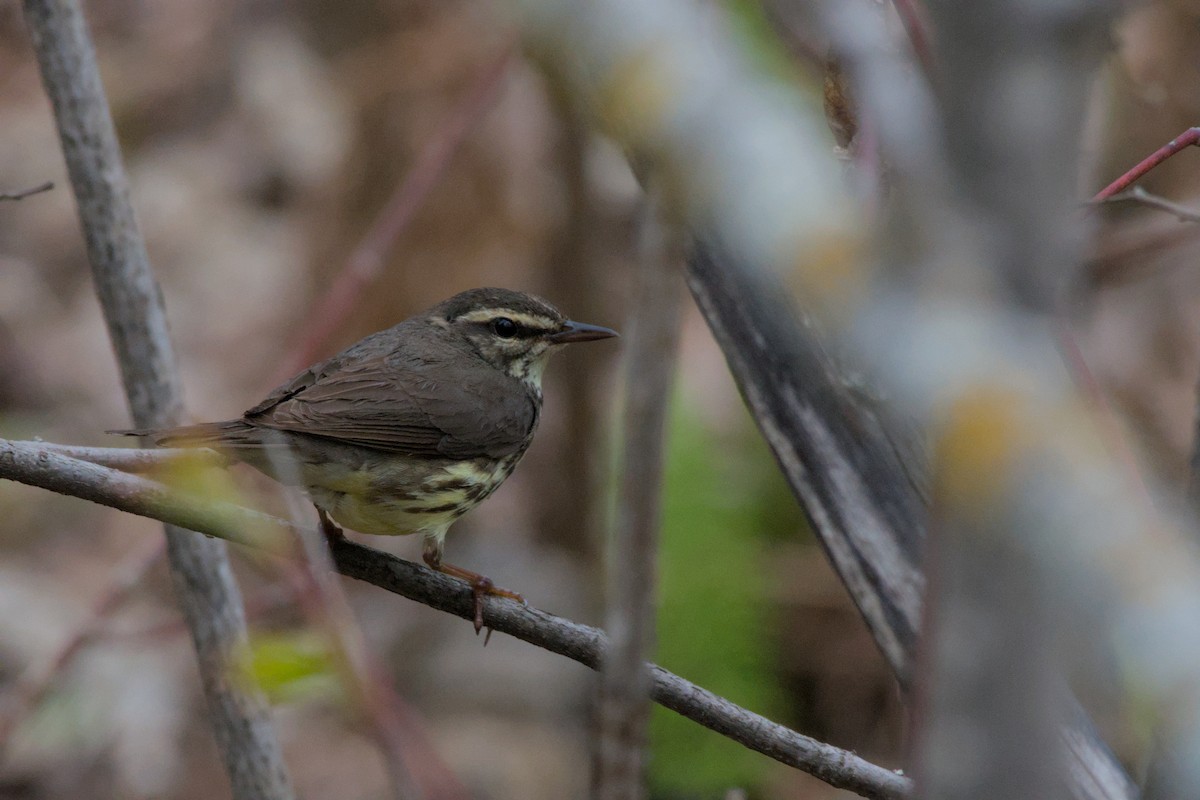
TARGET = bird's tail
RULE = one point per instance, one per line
(206, 434)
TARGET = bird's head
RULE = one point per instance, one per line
(513, 331)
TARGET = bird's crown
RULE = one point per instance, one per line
(513, 331)
(484, 305)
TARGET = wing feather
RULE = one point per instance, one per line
(443, 403)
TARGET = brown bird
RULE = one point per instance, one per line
(410, 428)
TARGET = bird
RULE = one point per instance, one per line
(408, 429)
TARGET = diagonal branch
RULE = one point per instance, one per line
(35, 464)
(1184, 140)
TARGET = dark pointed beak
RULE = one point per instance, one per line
(580, 332)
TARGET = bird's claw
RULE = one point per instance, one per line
(481, 587)
(328, 527)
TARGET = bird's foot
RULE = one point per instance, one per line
(481, 586)
(328, 527)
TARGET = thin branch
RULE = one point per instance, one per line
(1140, 196)
(32, 464)
(652, 354)
(367, 260)
(1113, 265)
(1186, 139)
(1117, 192)
(838, 768)
(21, 194)
(133, 459)
(132, 304)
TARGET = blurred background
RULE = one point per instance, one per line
(264, 139)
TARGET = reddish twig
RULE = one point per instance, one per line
(367, 260)
(1188, 138)
(1084, 378)
(1122, 189)
(21, 194)
(35, 684)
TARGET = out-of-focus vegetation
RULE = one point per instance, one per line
(291, 666)
(716, 609)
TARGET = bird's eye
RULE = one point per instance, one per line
(504, 327)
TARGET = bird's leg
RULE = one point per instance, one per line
(481, 585)
(332, 532)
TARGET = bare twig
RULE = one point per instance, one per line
(1122, 190)
(30, 463)
(133, 459)
(132, 304)
(21, 194)
(367, 260)
(652, 352)
(1110, 266)
(34, 685)
(1140, 196)
(1188, 138)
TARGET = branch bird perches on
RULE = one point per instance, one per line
(42, 465)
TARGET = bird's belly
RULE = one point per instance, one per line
(386, 517)
(400, 498)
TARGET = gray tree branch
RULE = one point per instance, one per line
(132, 305)
(35, 464)
(652, 352)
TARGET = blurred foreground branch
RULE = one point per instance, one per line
(132, 304)
(938, 317)
(34, 464)
(652, 349)
(856, 485)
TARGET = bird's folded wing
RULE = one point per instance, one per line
(463, 412)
